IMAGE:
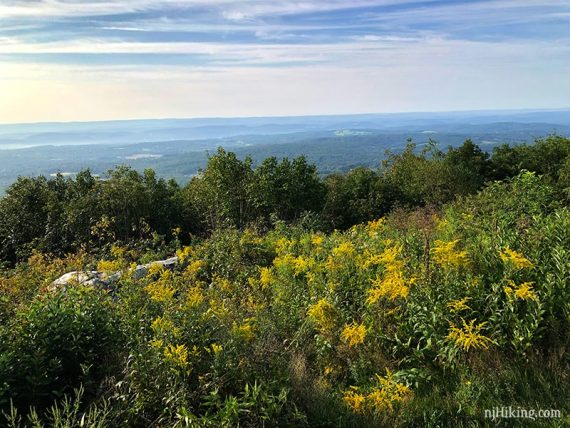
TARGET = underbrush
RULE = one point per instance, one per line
(422, 318)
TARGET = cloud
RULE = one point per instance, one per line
(155, 58)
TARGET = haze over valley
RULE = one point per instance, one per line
(178, 148)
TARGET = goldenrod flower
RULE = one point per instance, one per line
(265, 277)
(379, 398)
(374, 226)
(163, 326)
(459, 305)
(194, 268)
(216, 349)
(354, 400)
(283, 245)
(177, 355)
(516, 260)
(345, 249)
(194, 297)
(117, 251)
(469, 336)
(353, 334)
(446, 255)
(245, 330)
(523, 291)
(159, 291)
(323, 314)
(183, 253)
(302, 264)
(109, 266)
(317, 240)
(392, 286)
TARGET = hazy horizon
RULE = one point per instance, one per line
(292, 116)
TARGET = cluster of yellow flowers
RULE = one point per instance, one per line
(118, 252)
(109, 266)
(459, 305)
(161, 290)
(265, 277)
(317, 240)
(374, 227)
(516, 260)
(283, 245)
(379, 398)
(523, 291)
(323, 314)
(344, 249)
(194, 297)
(177, 355)
(216, 349)
(245, 330)
(353, 334)
(302, 264)
(393, 284)
(469, 335)
(183, 254)
(446, 255)
(163, 327)
(194, 268)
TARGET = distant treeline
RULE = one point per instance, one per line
(60, 215)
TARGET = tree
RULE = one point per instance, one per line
(286, 188)
(220, 192)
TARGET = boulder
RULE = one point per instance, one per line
(107, 281)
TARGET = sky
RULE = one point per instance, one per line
(70, 60)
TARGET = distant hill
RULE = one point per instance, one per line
(178, 147)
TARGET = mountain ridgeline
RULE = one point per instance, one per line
(62, 214)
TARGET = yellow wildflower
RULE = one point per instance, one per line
(446, 255)
(183, 253)
(117, 251)
(265, 277)
(283, 245)
(284, 262)
(388, 392)
(162, 326)
(374, 226)
(392, 286)
(177, 355)
(354, 399)
(469, 336)
(155, 268)
(345, 249)
(216, 349)
(459, 305)
(245, 330)
(194, 297)
(159, 291)
(156, 343)
(317, 240)
(332, 264)
(109, 266)
(353, 334)
(194, 268)
(517, 260)
(523, 291)
(302, 264)
(323, 314)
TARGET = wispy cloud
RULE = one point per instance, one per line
(363, 55)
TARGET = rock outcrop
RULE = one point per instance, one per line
(107, 281)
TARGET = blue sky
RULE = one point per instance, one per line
(109, 59)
